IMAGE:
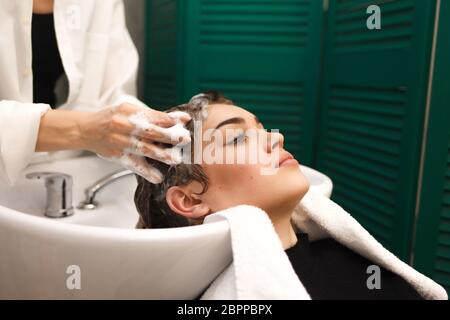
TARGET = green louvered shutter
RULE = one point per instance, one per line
(162, 45)
(264, 55)
(372, 110)
(432, 249)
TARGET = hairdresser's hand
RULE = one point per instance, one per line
(128, 133)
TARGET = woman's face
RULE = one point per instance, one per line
(230, 184)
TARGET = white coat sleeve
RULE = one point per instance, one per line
(19, 127)
(122, 63)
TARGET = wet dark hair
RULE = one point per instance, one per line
(149, 198)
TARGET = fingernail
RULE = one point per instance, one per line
(183, 140)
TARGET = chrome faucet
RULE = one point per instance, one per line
(59, 193)
(89, 203)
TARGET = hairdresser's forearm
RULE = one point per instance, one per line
(60, 130)
(110, 134)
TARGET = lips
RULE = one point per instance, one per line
(285, 157)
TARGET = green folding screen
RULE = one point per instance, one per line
(432, 249)
(372, 108)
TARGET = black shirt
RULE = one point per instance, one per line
(330, 271)
(47, 64)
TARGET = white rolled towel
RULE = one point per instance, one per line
(261, 269)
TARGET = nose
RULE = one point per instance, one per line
(275, 140)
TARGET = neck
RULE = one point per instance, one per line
(280, 216)
(285, 230)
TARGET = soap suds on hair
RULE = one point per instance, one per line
(139, 166)
(200, 102)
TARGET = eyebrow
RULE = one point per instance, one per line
(235, 120)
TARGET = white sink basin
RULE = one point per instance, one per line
(114, 259)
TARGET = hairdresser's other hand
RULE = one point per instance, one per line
(129, 133)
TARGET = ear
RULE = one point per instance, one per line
(186, 201)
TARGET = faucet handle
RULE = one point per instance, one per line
(59, 193)
(48, 175)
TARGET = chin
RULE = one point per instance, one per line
(297, 187)
(292, 190)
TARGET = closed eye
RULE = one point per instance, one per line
(238, 139)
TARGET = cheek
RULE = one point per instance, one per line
(231, 185)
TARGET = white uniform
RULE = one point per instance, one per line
(99, 59)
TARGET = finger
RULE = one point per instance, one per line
(180, 116)
(130, 119)
(156, 126)
(126, 109)
(161, 119)
(170, 156)
(166, 120)
(153, 135)
(121, 124)
(176, 135)
(138, 165)
(117, 142)
(163, 129)
(156, 117)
